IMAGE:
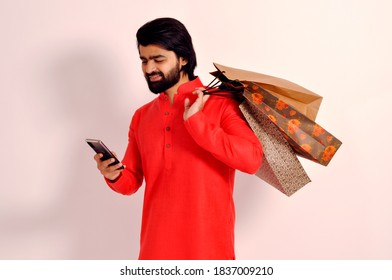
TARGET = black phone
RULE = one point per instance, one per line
(100, 148)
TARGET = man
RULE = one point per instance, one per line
(186, 146)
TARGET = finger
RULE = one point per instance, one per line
(114, 168)
(111, 171)
(97, 157)
(205, 98)
(202, 99)
(112, 175)
(186, 104)
(199, 90)
(199, 100)
(104, 164)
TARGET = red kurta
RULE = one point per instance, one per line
(189, 167)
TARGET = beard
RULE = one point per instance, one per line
(166, 82)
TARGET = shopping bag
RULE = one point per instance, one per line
(280, 166)
(306, 137)
(302, 99)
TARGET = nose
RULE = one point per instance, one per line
(149, 67)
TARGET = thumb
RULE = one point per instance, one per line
(186, 108)
(186, 104)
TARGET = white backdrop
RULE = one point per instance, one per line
(69, 70)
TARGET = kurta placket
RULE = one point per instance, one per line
(168, 114)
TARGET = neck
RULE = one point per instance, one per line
(171, 92)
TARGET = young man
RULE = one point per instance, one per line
(186, 146)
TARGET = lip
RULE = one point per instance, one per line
(154, 78)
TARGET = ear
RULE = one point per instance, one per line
(183, 61)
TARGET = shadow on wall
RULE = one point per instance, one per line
(89, 82)
(61, 208)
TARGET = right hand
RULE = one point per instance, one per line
(109, 172)
(190, 110)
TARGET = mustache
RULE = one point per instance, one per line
(148, 75)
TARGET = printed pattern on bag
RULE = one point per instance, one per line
(305, 136)
(280, 166)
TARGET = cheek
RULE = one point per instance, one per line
(144, 69)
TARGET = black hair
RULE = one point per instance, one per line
(171, 35)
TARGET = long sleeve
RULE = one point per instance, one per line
(232, 141)
(131, 177)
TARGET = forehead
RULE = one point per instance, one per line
(151, 51)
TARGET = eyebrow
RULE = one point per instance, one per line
(153, 56)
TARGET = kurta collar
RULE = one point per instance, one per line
(187, 87)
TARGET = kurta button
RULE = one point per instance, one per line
(168, 145)
(168, 128)
(166, 113)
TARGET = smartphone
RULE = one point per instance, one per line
(100, 148)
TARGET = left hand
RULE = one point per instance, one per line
(198, 105)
